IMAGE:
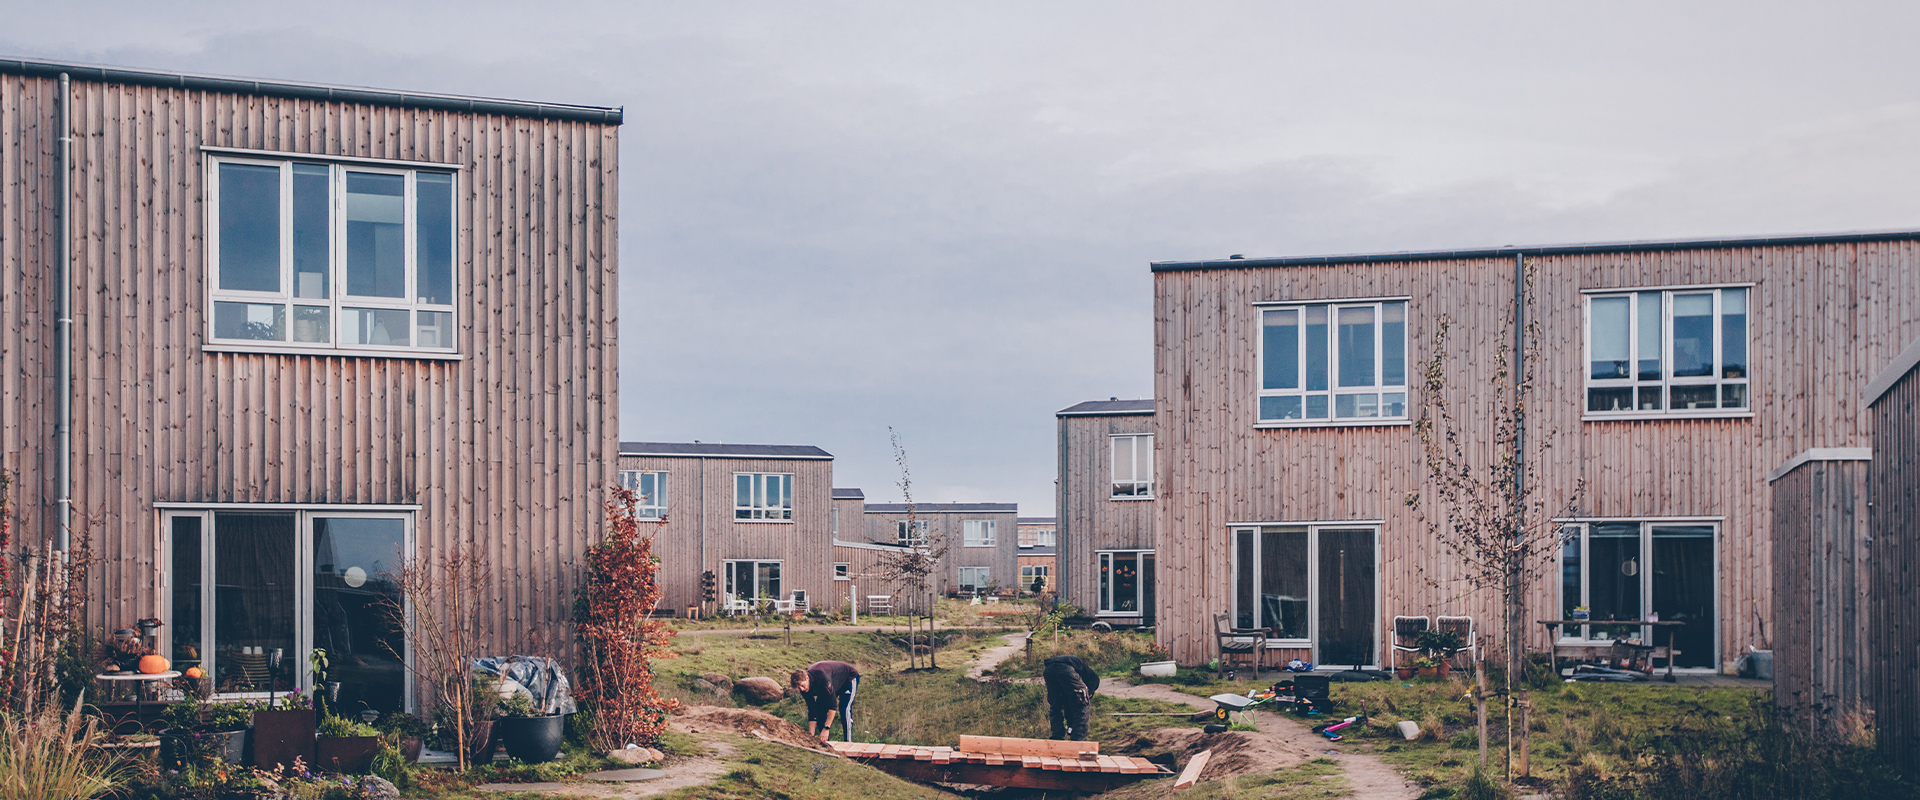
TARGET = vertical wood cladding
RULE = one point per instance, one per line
(1820, 597)
(1822, 318)
(508, 449)
(1090, 519)
(1002, 560)
(1894, 522)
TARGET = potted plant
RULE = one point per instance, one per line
(345, 745)
(283, 730)
(199, 731)
(1439, 646)
(406, 731)
(1428, 667)
(1581, 613)
(1406, 670)
(527, 734)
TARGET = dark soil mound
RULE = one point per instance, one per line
(744, 721)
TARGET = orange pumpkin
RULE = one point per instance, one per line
(153, 665)
(196, 673)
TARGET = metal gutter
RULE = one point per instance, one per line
(40, 68)
(63, 321)
(1544, 250)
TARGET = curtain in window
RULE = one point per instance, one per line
(254, 598)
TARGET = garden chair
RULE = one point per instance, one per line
(1251, 642)
(735, 605)
(880, 604)
(1469, 633)
(1405, 629)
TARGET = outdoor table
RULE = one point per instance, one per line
(139, 690)
(1554, 627)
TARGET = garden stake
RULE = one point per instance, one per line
(1480, 704)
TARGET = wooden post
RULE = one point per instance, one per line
(1480, 706)
(1526, 736)
(933, 644)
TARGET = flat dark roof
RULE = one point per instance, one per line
(1543, 250)
(716, 450)
(849, 494)
(1038, 520)
(1039, 550)
(1107, 408)
(939, 508)
(42, 68)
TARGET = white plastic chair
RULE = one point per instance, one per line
(879, 604)
(735, 605)
(1404, 631)
(1469, 633)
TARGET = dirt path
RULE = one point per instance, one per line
(994, 656)
(776, 630)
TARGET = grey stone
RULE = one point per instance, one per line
(760, 690)
(517, 788)
(701, 685)
(721, 682)
(625, 775)
(635, 755)
(374, 787)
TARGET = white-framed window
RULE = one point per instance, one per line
(977, 533)
(242, 584)
(752, 581)
(975, 578)
(1667, 351)
(912, 533)
(1032, 536)
(1333, 362)
(1314, 585)
(1639, 570)
(1028, 572)
(842, 571)
(763, 496)
(1126, 581)
(305, 255)
(650, 491)
(1133, 466)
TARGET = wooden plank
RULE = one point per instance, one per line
(1017, 746)
(1191, 774)
(1006, 775)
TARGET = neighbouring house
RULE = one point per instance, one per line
(740, 523)
(982, 544)
(1672, 378)
(1039, 537)
(1893, 530)
(316, 331)
(1106, 501)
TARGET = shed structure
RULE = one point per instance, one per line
(1893, 482)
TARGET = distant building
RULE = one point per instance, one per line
(982, 540)
(1039, 539)
(1106, 555)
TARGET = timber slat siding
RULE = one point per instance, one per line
(1894, 522)
(1820, 581)
(1822, 317)
(509, 449)
(1090, 520)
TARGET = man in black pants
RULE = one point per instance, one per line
(1070, 687)
(828, 688)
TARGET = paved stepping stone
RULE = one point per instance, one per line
(625, 775)
(520, 787)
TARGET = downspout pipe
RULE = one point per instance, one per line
(63, 325)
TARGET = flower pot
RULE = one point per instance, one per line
(1429, 672)
(532, 739)
(480, 742)
(410, 749)
(280, 736)
(1158, 669)
(1580, 615)
(1403, 673)
(1441, 669)
(350, 754)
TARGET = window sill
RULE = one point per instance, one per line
(1690, 415)
(337, 352)
(1373, 422)
(1129, 499)
(1289, 644)
(1118, 614)
(763, 521)
(980, 546)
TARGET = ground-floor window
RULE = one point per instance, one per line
(1631, 569)
(1126, 581)
(753, 581)
(247, 585)
(975, 578)
(841, 571)
(1308, 586)
(1028, 572)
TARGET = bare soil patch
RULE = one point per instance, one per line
(743, 721)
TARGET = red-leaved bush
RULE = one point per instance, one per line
(618, 640)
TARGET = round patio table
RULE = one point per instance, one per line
(139, 693)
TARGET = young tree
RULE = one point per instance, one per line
(913, 567)
(441, 606)
(619, 639)
(1498, 525)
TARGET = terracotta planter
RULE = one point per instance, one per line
(280, 736)
(1403, 673)
(1429, 672)
(532, 739)
(480, 747)
(410, 749)
(350, 754)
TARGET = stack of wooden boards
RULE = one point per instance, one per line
(1004, 761)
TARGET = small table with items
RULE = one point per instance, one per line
(1634, 648)
(140, 682)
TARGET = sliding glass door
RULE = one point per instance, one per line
(1309, 586)
(1628, 570)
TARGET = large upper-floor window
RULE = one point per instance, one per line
(331, 256)
(910, 532)
(763, 496)
(650, 492)
(1333, 362)
(1133, 466)
(978, 533)
(1667, 351)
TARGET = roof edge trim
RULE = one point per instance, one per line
(1813, 454)
(1541, 250)
(1895, 370)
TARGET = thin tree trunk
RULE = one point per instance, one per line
(1480, 705)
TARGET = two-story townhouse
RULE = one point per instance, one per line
(266, 341)
(1039, 553)
(753, 522)
(1106, 499)
(982, 544)
(1672, 377)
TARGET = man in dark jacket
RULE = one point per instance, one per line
(828, 688)
(1070, 687)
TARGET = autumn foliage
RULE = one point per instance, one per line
(618, 640)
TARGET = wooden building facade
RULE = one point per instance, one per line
(1670, 379)
(1107, 560)
(327, 329)
(1039, 553)
(1893, 523)
(1820, 589)
(754, 521)
(982, 540)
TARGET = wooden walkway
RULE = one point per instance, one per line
(1001, 761)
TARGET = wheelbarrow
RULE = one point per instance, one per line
(1227, 705)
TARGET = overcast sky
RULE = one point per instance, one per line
(837, 217)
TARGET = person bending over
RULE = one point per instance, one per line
(1070, 687)
(828, 688)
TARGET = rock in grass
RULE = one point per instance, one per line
(374, 787)
(635, 755)
(1409, 729)
(760, 690)
(723, 685)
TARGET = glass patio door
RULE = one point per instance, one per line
(1626, 570)
(356, 590)
(1682, 590)
(1347, 591)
